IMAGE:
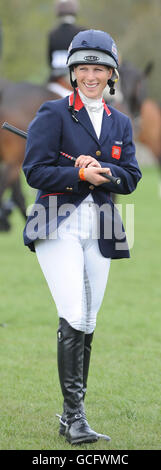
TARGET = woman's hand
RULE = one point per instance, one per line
(95, 175)
(84, 161)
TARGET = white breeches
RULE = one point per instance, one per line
(75, 270)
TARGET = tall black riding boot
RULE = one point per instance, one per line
(86, 362)
(70, 367)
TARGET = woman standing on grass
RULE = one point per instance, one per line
(79, 242)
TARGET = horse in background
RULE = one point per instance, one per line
(131, 98)
(133, 84)
(19, 103)
(149, 132)
(145, 113)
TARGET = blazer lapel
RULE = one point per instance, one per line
(84, 119)
(82, 115)
(106, 124)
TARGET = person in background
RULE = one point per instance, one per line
(59, 40)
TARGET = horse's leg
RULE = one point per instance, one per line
(4, 179)
(17, 196)
(4, 224)
(9, 175)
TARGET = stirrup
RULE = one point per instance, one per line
(64, 423)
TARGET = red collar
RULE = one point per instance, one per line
(106, 108)
(79, 104)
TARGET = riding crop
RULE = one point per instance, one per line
(23, 134)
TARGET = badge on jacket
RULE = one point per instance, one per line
(116, 152)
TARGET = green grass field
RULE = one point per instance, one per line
(124, 387)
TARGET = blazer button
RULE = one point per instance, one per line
(98, 153)
(91, 187)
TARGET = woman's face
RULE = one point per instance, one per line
(92, 79)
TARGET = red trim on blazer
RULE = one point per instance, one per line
(78, 102)
(106, 108)
(79, 105)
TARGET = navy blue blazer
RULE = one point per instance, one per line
(54, 130)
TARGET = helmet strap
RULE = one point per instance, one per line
(72, 107)
(73, 82)
(111, 84)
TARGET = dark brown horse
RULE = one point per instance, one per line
(18, 105)
(134, 84)
(144, 112)
(149, 132)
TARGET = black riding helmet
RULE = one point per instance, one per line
(93, 47)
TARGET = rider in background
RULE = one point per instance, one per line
(59, 40)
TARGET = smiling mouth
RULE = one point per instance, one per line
(91, 86)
